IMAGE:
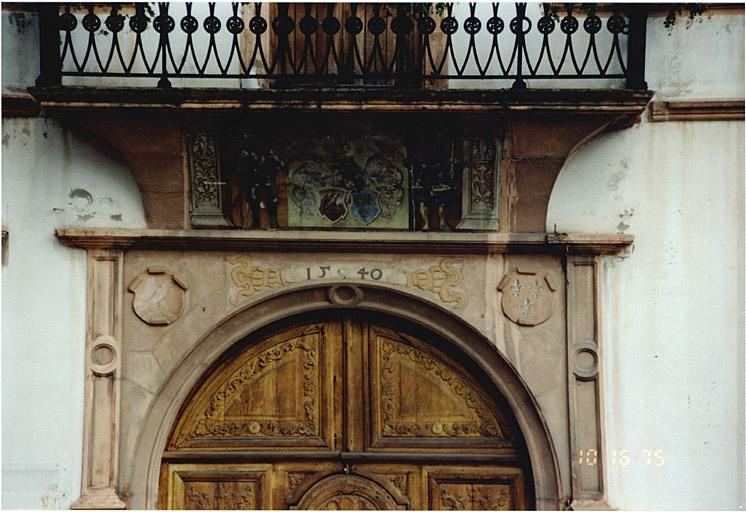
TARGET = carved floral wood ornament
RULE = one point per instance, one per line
(458, 414)
(234, 407)
(527, 297)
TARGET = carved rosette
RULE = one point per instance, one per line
(480, 189)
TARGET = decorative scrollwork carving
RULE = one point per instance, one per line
(468, 496)
(442, 280)
(224, 496)
(399, 481)
(482, 174)
(294, 481)
(452, 500)
(249, 278)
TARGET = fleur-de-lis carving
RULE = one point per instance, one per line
(515, 287)
(536, 287)
(526, 306)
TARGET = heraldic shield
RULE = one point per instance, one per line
(527, 297)
(333, 204)
(365, 207)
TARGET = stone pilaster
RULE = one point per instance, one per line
(102, 385)
(584, 384)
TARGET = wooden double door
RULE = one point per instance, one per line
(344, 413)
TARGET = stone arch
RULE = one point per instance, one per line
(157, 425)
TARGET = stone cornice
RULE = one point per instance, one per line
(697, 110)
(19, 104)
(348, 242)
(592, 101)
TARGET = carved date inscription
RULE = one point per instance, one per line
(444, 280)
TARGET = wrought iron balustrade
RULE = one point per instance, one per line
(276, 45)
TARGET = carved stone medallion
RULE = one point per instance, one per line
(159, 296)
(527, 297)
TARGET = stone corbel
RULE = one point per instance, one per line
(584, 384)
(102, 385)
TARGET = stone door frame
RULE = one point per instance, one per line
(145, 467)
(113, 478)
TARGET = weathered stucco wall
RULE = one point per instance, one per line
(673, 317)
(51, 178)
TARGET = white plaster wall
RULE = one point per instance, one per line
(20, 43)
(696, 59)
(673, 308)
(50, 178)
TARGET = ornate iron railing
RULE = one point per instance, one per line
(323, 44)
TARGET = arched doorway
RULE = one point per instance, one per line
(346, 409)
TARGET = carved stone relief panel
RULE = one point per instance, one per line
(249, 278)
(443, 280)
(480, 191)
(204, 178)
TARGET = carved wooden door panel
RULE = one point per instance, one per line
(343, 414)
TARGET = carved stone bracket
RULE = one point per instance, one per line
(204, 179)
(102, 387)
(480, 191)
(584, 384)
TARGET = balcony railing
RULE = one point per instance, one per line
(281, 45)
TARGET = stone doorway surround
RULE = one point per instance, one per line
(164, 305)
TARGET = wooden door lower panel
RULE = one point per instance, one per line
(218, 487)
(300, 485)
(474, 488)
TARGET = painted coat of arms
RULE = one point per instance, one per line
(527, 297)
(352, 183)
